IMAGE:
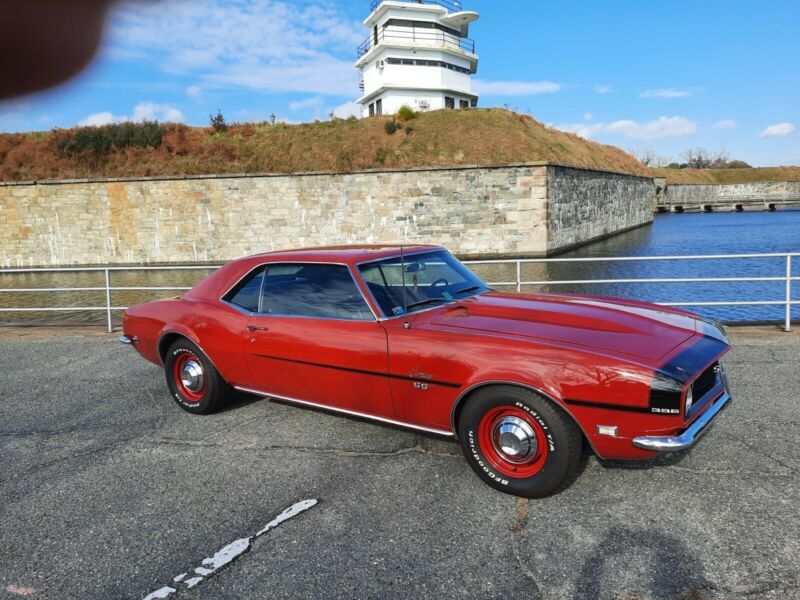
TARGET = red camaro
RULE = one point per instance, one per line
(525, 382)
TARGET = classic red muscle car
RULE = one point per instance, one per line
(411, 337)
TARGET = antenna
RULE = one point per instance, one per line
(406, 324)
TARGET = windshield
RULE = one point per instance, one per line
(431, 279)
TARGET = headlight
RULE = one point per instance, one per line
(689, 401)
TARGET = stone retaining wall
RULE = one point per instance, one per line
(522, 210)
(701, 194)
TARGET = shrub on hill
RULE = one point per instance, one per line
(406, 113)
(104, 140)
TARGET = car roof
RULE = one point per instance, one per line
(216, 284)
(341, 254)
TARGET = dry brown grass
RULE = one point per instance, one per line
(437, 139)
(442, 138)
(696, 176)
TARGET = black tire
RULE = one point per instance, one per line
(554, 461)
(210, 395)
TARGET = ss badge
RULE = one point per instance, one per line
(419, 385)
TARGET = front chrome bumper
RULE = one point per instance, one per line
(688, 437)
(124, 339)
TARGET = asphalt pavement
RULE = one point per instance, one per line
(109, 490)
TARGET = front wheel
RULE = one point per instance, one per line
(518, 441)
(193, 381)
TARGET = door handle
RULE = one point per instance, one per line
(252, 328)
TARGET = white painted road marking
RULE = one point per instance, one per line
(229, 553)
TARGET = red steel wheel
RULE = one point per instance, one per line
(513, 442)
(193, 380)
(518, 441)
(189, 376)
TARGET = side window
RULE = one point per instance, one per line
(245, 294)
(312, 290)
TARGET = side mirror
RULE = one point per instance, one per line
(415, 267)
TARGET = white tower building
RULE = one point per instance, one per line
(418, 54)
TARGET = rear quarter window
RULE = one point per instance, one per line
(246, 293)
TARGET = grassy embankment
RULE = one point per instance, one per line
(441, 138)
(678, 176)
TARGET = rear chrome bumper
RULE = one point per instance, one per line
(688, 437)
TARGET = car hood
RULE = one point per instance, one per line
(625, 327)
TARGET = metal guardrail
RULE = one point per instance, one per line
(787, 278)
(424, 38)
(108, 308)
(764, 200)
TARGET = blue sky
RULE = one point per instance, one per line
(658, 75)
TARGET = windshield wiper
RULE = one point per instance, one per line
(469, 289)
(424, 302)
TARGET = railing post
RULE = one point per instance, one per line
(788, 324)
(108, 300)
(519, 277)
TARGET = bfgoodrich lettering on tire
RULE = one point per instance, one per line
(193, 381)
(518, 441)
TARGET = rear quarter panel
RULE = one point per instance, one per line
(216, 328)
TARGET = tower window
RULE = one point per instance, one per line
(427, 63)
(421, 25)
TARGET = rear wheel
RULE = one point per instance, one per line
(193, 381)
(518, 441)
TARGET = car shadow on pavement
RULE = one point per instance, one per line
(237, 400)
(625, 553)
(666, 459)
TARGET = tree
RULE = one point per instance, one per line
(218, 123)
(700, 158)
(649, 158)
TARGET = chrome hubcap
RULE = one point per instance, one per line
(514, 439)
(192, 375)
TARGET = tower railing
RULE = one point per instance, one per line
(451, 5)
(417, 37)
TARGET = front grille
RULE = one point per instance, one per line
(707, 380)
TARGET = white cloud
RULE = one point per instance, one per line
(268, 45)
(313, 102)
(514, 88)
(602, 89)
(663, 127)
(665, 93)
(725, 124)
(778, 130)
(98, 119)
(144, 111)
(150, 111)
(346, 110)
(194, 92)
(13, 111)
